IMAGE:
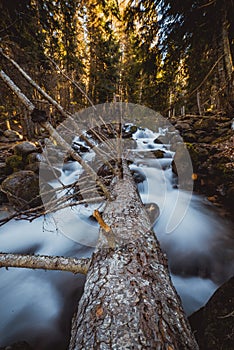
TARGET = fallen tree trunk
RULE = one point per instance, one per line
(129, 301)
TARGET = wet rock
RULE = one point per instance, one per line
(128, 130)
(213, 324)
(158, 153)
(22, 189)
(138, 177)
(80, 147)
(163, 139)
(153, 211)
(158, 141)
(24, 148)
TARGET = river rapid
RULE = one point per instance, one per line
(37, 306)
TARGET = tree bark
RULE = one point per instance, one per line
(129, 301)
(44, 262)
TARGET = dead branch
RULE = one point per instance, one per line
(44, 262)
(28, 104)
(36, 86)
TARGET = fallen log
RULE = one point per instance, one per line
(129, 301)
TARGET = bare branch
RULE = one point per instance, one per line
(44, 262)
(28, 104)
(35, 85)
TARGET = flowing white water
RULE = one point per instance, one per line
(37, 306)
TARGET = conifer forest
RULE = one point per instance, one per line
(116, 174)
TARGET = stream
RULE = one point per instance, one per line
(37, 306)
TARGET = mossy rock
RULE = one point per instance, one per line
(22, 189)
(14, 163)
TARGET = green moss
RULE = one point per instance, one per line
(14, 162)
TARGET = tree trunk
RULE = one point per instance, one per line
(129, 301)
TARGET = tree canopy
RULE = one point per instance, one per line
(164, 54)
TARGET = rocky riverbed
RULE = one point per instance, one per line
(210, 142)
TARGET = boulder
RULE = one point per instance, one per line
(22, 189)
(24, 148)
(213, 324)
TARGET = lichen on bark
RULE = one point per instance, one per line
(129, 301)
